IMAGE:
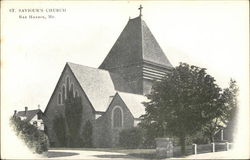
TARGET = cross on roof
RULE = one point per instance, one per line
(140, 8)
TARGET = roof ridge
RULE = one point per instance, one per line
(135, 44)
(110, 72)
(87, 66)
(152, 50)
(130, 93)
(142, 39)
(30, 110)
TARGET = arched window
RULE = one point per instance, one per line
(67, 86)
(76, 94)
(63, 93)
(72, 88)
(59, 98)
(117, 117)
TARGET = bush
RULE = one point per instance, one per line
(87, 135)
(35, 139)
(131, 138)
(73, 118)
(60, 130)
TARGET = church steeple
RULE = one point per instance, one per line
(137, 56)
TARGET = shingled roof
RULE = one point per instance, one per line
(29, 114)
(98, 84)
(134, 103)
(135, 44)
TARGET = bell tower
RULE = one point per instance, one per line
(137, 57)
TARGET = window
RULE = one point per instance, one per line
(35, 123)
(117, 117)
(67, 86)
(63, 94)
(72, 88)
(76, 94)
(59, 98)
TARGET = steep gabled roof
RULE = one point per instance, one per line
(134, 103)
(151, 50)
(98, 84)
(29, 114)
(136, 44)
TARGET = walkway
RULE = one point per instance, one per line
(102, 155)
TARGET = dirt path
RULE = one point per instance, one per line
(79, 154)
(93, 155)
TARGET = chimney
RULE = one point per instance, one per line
(38, 106)
(14, 113)
(26, 109)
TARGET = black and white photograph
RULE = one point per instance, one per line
(125, 80)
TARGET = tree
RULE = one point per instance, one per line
(211, 128)
(151, 130)
(228, 111)
(230, 95)
(60, 130)
(185, 100)
(73, 117)
(35, 139)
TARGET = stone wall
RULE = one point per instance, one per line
(164, 147)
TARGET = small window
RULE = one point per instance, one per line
(59, 98)
(35, 123)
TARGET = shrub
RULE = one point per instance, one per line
(131, 138)
(73, 117)
(33, 138)
(60, 130)
(87, 135)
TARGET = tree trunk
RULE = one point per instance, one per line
(183, 144)
(211, 138)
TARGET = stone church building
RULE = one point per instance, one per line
(112, 94)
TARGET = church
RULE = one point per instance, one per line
(112, 94)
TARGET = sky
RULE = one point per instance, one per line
(212, 35)
(209, 34)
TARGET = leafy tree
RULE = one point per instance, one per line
(35, 139)
(60, 130)
(73, 116)
(228, 111)
(211, 128)
(150, 131)
(185, 100)
(230, 96)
